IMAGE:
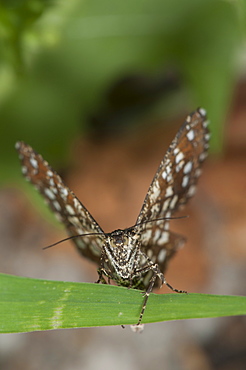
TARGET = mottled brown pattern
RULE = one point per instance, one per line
(62, 201)
(184, 157)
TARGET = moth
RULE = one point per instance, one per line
(135, 257)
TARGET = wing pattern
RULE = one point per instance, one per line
(173, 185)
(62, 201)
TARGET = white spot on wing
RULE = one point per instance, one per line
(70, 209)
(63, 192)
(203, 112)
(146, 235)
(164, 175)
(78, 206)
(205, 123)
(53, 189)
(188, 119)
(166, 204)
(169, 191)
(156, 189)
(188, 167)
(185, 181)
(164, 238)
(174, 201)
(191, 191)
(168, 169)
(179, 166)
(49, 193)
(176, 150)
(202, 156)
(24, 170)
(162, 255)
(157, 235)
(51, 182)
(166, 226)
(190, 135)
(179, 157)
(198, 172)
(155, 208)
(149, 253)
(74, 221)
(34, 162)
(169, 178)
(57, 205)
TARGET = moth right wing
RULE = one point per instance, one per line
(63, 202)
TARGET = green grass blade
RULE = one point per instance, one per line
(31, 304)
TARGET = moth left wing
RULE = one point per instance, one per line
(173, 185)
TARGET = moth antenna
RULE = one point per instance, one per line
(157, 219)
(69, 238)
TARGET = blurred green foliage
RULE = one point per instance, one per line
(59, 59)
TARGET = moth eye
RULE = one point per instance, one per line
(116, 242)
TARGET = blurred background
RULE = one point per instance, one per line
(100, 88)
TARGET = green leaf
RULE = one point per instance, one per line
(33, 305)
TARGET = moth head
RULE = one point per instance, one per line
(118, 238)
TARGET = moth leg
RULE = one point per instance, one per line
(130, 283)
(156, 270)
(101, 279)
(146, 296)
(102, 271)
(173, 289)
(156, 273)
